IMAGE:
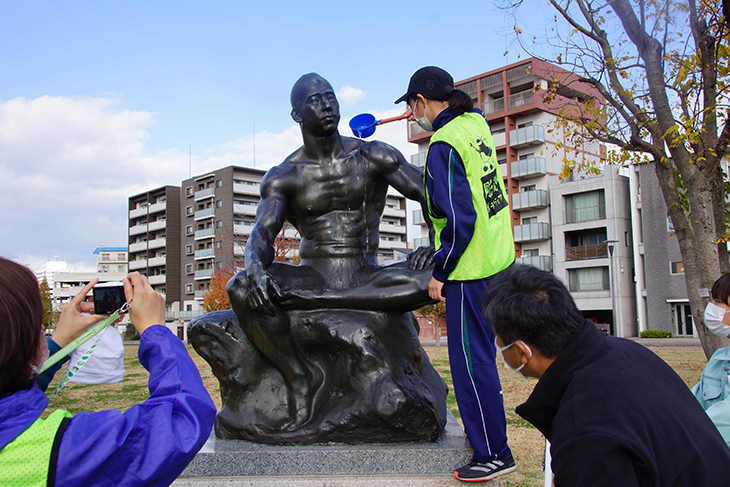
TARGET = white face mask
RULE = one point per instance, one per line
(713, 319)
(508, 366)
(423, 122)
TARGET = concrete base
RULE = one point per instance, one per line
(433, 480)
(231, 458)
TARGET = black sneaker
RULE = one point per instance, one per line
(479, 472)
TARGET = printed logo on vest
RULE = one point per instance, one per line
(493, 194)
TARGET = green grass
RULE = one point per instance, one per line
(526, 442)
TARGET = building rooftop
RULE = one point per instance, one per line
(109, 249)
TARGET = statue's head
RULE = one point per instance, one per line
(314, 105)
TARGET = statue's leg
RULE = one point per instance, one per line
(391, 288)
(271, 335)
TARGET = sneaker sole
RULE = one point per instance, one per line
(485, 479)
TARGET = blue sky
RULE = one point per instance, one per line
(100, 100)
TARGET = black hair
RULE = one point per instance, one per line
(721, 289)
(525, 303)
(459, 101)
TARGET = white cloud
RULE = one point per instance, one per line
(69, 164)
(349, 95)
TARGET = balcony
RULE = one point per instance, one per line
(196, 313)
(528, 168)
(491, 81)
(587, 213)
(542, 262)
(156, 261)
(530, 200)
(418, 217)
(157, 243)
(586, 252)
(500, 139)
(201, 254)
(415, 130)
(419, 160)
(248, 210)
(201, 294)
(394, 212)
(158, 279)
(206, 232)
(532, 232)
(135, 265)
(390, 228)
(242, 229)
(137, 229)
(137, 247)
(249, 189)
(519, 72)
(491, 107)
(206, 213)
(204, 193)
(157, 207)
(137, 212)
(521, 99)
(391, 244)
(157, 225)
(203, 274)
(527, 136)
(421, 242)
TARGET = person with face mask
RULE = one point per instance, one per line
(615, 414)
(149, 444)
(713, 389)
(467, 204)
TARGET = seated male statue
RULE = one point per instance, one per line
(337, 330)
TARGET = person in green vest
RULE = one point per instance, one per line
(149, 444)
(467, 205)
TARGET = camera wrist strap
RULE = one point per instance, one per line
(97, 329)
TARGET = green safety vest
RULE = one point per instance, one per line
(25, 461)
(492, 247)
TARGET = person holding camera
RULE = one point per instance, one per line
(149, 444)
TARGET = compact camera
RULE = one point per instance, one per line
(108, 297)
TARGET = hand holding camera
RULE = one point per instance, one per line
(148, 306)
(75, 317)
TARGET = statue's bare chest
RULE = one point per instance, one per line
(339, 185)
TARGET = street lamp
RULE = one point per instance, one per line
(617, 329)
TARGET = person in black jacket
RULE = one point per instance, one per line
(614, 413)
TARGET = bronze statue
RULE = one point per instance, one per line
(332, 346)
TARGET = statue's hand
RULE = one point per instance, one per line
(260, 285)
(421, 258)
(297, 299)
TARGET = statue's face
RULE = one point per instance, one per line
(319, 112)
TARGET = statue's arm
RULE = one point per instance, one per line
(408, 180)
(270, 217)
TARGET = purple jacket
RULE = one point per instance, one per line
(149, 444)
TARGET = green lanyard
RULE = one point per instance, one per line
(97, 329)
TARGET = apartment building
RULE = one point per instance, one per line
(111, 259)
(525, 137)
(154, 240)
(66, 285)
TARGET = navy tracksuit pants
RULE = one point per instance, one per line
(474, 370)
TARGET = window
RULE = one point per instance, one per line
(525, 189)
(219, 204)
(527, 156)
(242, 202)
(247, 183)
(498, 131)
(189, 290)
(523, 125)
(589, 279)
(121, 268)
(527, 221)
(585, 206)
(105, 268)
(189, 191)
(188, 210)
(530, 253)
(670, 224)
(219, 224)
(219, 183)
(105, 257)
(189, 269)
(218, 244)
(627, 240)
(677, 267)
(189, 249)
(122, 256)
(189, 230)
(243, 222)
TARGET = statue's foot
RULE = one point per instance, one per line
(301, 396)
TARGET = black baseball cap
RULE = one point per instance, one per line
(430, 82)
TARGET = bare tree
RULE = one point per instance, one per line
(661, 67)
